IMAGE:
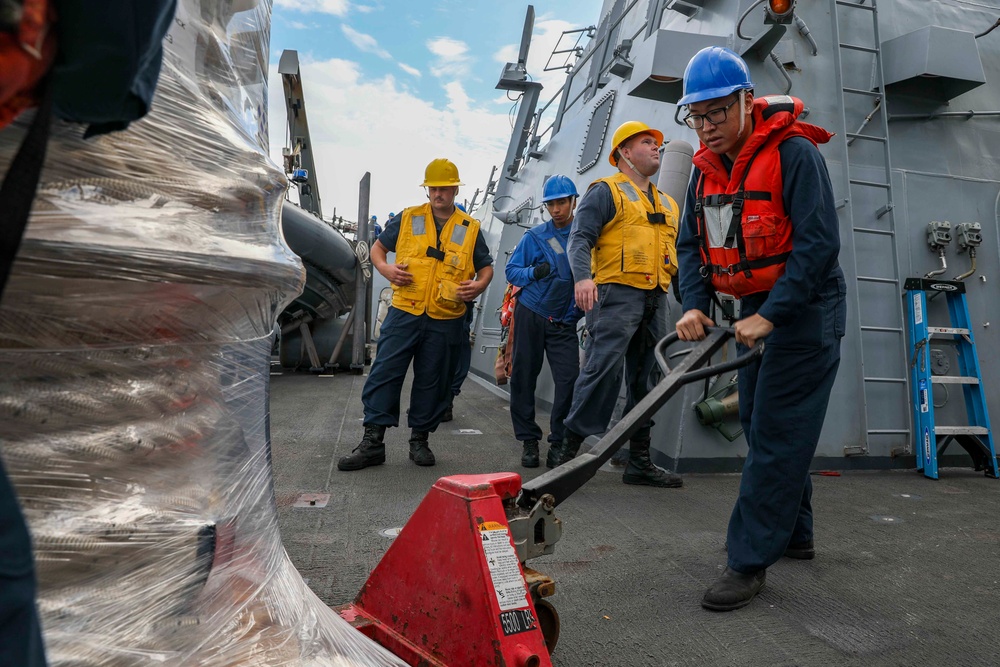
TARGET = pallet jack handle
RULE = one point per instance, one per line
(560, 483)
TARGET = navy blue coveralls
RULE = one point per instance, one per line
(545, 320)
(624, 324)
(20, 632)
(784, 395)
(465, 352)
(432, 345)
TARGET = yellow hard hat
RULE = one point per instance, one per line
(440, 173)
(626, 131)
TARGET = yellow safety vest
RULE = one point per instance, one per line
(633, 250)
(437, 268)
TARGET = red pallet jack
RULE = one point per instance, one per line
(453, 590)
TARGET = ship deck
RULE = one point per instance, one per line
(906, 571)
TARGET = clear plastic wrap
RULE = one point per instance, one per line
(135, 342)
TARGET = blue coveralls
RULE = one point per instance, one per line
(465, 352)
(20, 631)
(624, 324)
(544, 325)
(784, 395)
(432, 345)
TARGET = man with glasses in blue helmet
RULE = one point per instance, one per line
(621, 250)
(545, 319)
(442, 262)
(760, 224)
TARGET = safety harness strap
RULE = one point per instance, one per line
(18, 189)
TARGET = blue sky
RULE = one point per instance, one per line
(391, 85)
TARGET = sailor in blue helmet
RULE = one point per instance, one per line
(760, 223)
(621, 250)
(545, 319)
(441, 263)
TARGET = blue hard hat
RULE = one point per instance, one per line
(712, 73)
(392, 215)
(461, 208)
(557, 187)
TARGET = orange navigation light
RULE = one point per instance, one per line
(779, 11)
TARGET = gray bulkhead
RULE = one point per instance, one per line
(945, 165)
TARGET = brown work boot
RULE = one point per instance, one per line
(369, 452)
(564, 451)
(640, 469)
(420, 453)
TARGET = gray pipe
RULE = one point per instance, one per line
(675, 171)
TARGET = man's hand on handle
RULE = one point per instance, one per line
(751, 329)
(692, 325)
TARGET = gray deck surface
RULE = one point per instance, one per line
(907, 571)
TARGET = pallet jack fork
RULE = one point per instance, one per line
(453, 588)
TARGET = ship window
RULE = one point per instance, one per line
(597, 129)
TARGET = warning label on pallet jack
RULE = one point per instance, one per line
(516, 620)
(505, 571)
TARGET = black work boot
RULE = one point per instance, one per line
(801, 551)
(564, 451)
(449, 412)
(369, 452)
(529, 458)
(640, 469)
(733, 590)
(420, 453)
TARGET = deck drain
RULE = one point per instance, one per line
(878, 518)
(391, 533)
(312, 500)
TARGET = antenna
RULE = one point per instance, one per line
(515, 75)
(529, 23)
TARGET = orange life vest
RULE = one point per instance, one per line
(26, 52)
(748, 255)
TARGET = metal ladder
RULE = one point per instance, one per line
(975, 437)
(873, 232)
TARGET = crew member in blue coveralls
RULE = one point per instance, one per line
(761, 224)
(442, 262)
(621, 250)
(545, 319)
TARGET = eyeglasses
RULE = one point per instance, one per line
(696, 121)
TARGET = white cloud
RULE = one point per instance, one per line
(297, 25)
(458, 99)
(359, 123)
(335, 7)
(452, 58)
(410, 70)
(364, 42)
(365, 9)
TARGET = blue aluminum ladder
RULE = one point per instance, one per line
(931, 438)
